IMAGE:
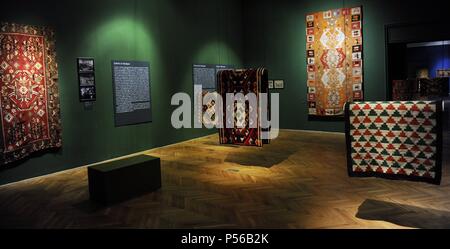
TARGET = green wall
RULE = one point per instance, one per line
(174, 34)
(171, 35)
(274, 36)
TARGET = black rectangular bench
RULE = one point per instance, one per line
(123, 179)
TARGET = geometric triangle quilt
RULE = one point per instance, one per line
(396, 140)
(29, 99)
(334, 58)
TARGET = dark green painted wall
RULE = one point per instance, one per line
(170, 34)
(274, 35)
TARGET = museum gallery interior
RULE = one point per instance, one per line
(224, 114)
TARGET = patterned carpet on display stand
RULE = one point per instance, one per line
(403, 90)
(242, 81)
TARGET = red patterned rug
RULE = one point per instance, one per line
(242, 81)
(29, 105)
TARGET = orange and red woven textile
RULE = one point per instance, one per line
(334, 53)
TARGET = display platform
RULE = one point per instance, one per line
(123, 179)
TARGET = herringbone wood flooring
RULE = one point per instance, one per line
(298, 181)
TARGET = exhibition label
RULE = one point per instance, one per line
(131, 81)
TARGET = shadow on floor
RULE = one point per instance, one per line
(403, 215)
(266, 156)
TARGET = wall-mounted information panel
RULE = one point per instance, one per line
(205, 74)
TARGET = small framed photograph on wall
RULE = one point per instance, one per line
(278, 84)
(86, 79)
(85, 65)
(87, 93)
(270, 84)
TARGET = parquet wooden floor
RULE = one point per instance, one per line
(298, 181)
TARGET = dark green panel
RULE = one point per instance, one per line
(171, 35)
